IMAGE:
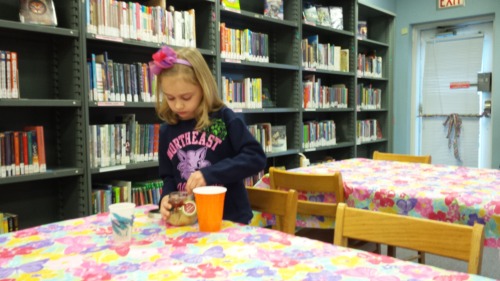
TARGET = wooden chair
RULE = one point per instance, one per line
(456, 241)
(282, 204)
(324, 183)
(425, 159)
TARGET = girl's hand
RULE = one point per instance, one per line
(165, 208)
(195, 180)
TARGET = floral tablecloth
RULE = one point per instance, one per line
(82, 249)
(439, 192)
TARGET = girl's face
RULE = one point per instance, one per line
(182, 97)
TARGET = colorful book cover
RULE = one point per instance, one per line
(40, 140)
(37, 12)
(362, 30)
(311, 14)
(232, 4)
(273, 9)
(323, 16)
(337, 17)
(278, 133)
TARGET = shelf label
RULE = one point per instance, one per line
(110, 103)
(233, 60)
(112, 168)
(109, 38)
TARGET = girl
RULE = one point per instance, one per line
(203, 142)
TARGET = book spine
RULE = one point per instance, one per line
(17, 154)
(14, 75)
(40, 138)
(3, 75)
(8, 73)
(8, 153)
(3, 171)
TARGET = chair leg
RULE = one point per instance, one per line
(391, 251)
(421, 257)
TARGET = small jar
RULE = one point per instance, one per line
(183, 210)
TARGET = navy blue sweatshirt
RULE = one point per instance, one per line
(225, 153)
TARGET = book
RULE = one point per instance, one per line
(323, 16)
(40, 139)
(37, 12)
(3, 170)
(125, 189)
(232, 4)
(278, 134)
(362, 30)
(311, 14)
(344, 60)
(273, 9)
(14, 75)
(129, 121)
(336, 17)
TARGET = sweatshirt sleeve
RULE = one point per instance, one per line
(248, 160)
(165, 165)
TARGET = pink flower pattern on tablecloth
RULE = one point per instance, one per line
(446, 193)
(76, 250)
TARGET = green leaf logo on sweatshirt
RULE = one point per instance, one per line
(218, 128)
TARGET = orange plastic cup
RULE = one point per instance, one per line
(210, 206)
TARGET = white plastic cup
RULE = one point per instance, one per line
(121, 216)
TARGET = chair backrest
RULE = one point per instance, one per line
(461, 242)
(426, 159)
(324, 183)
(278, 202)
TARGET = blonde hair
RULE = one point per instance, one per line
(197, 74)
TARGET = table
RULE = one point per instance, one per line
(440, 192)
(82, 249)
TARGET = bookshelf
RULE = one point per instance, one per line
(344, 118)
(379, 41)
(51, 91)
(55, 90)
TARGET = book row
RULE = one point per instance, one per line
(251, 181)
(368, 130)
(116, 191)
(22, 152)
(319, 133)
(317, 96)
(243, 44)
(245, 93)
(8, 222)
(9, 75)
(368, 97)
(111, 81)
(149, 23)
(123, 143)
(369, 65)
(331, 16)
(271, 137)
(324, 56)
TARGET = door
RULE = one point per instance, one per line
(449, 122)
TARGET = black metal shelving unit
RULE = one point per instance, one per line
(51, 90)
(54, 91)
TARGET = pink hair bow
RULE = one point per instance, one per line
(165, 58)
